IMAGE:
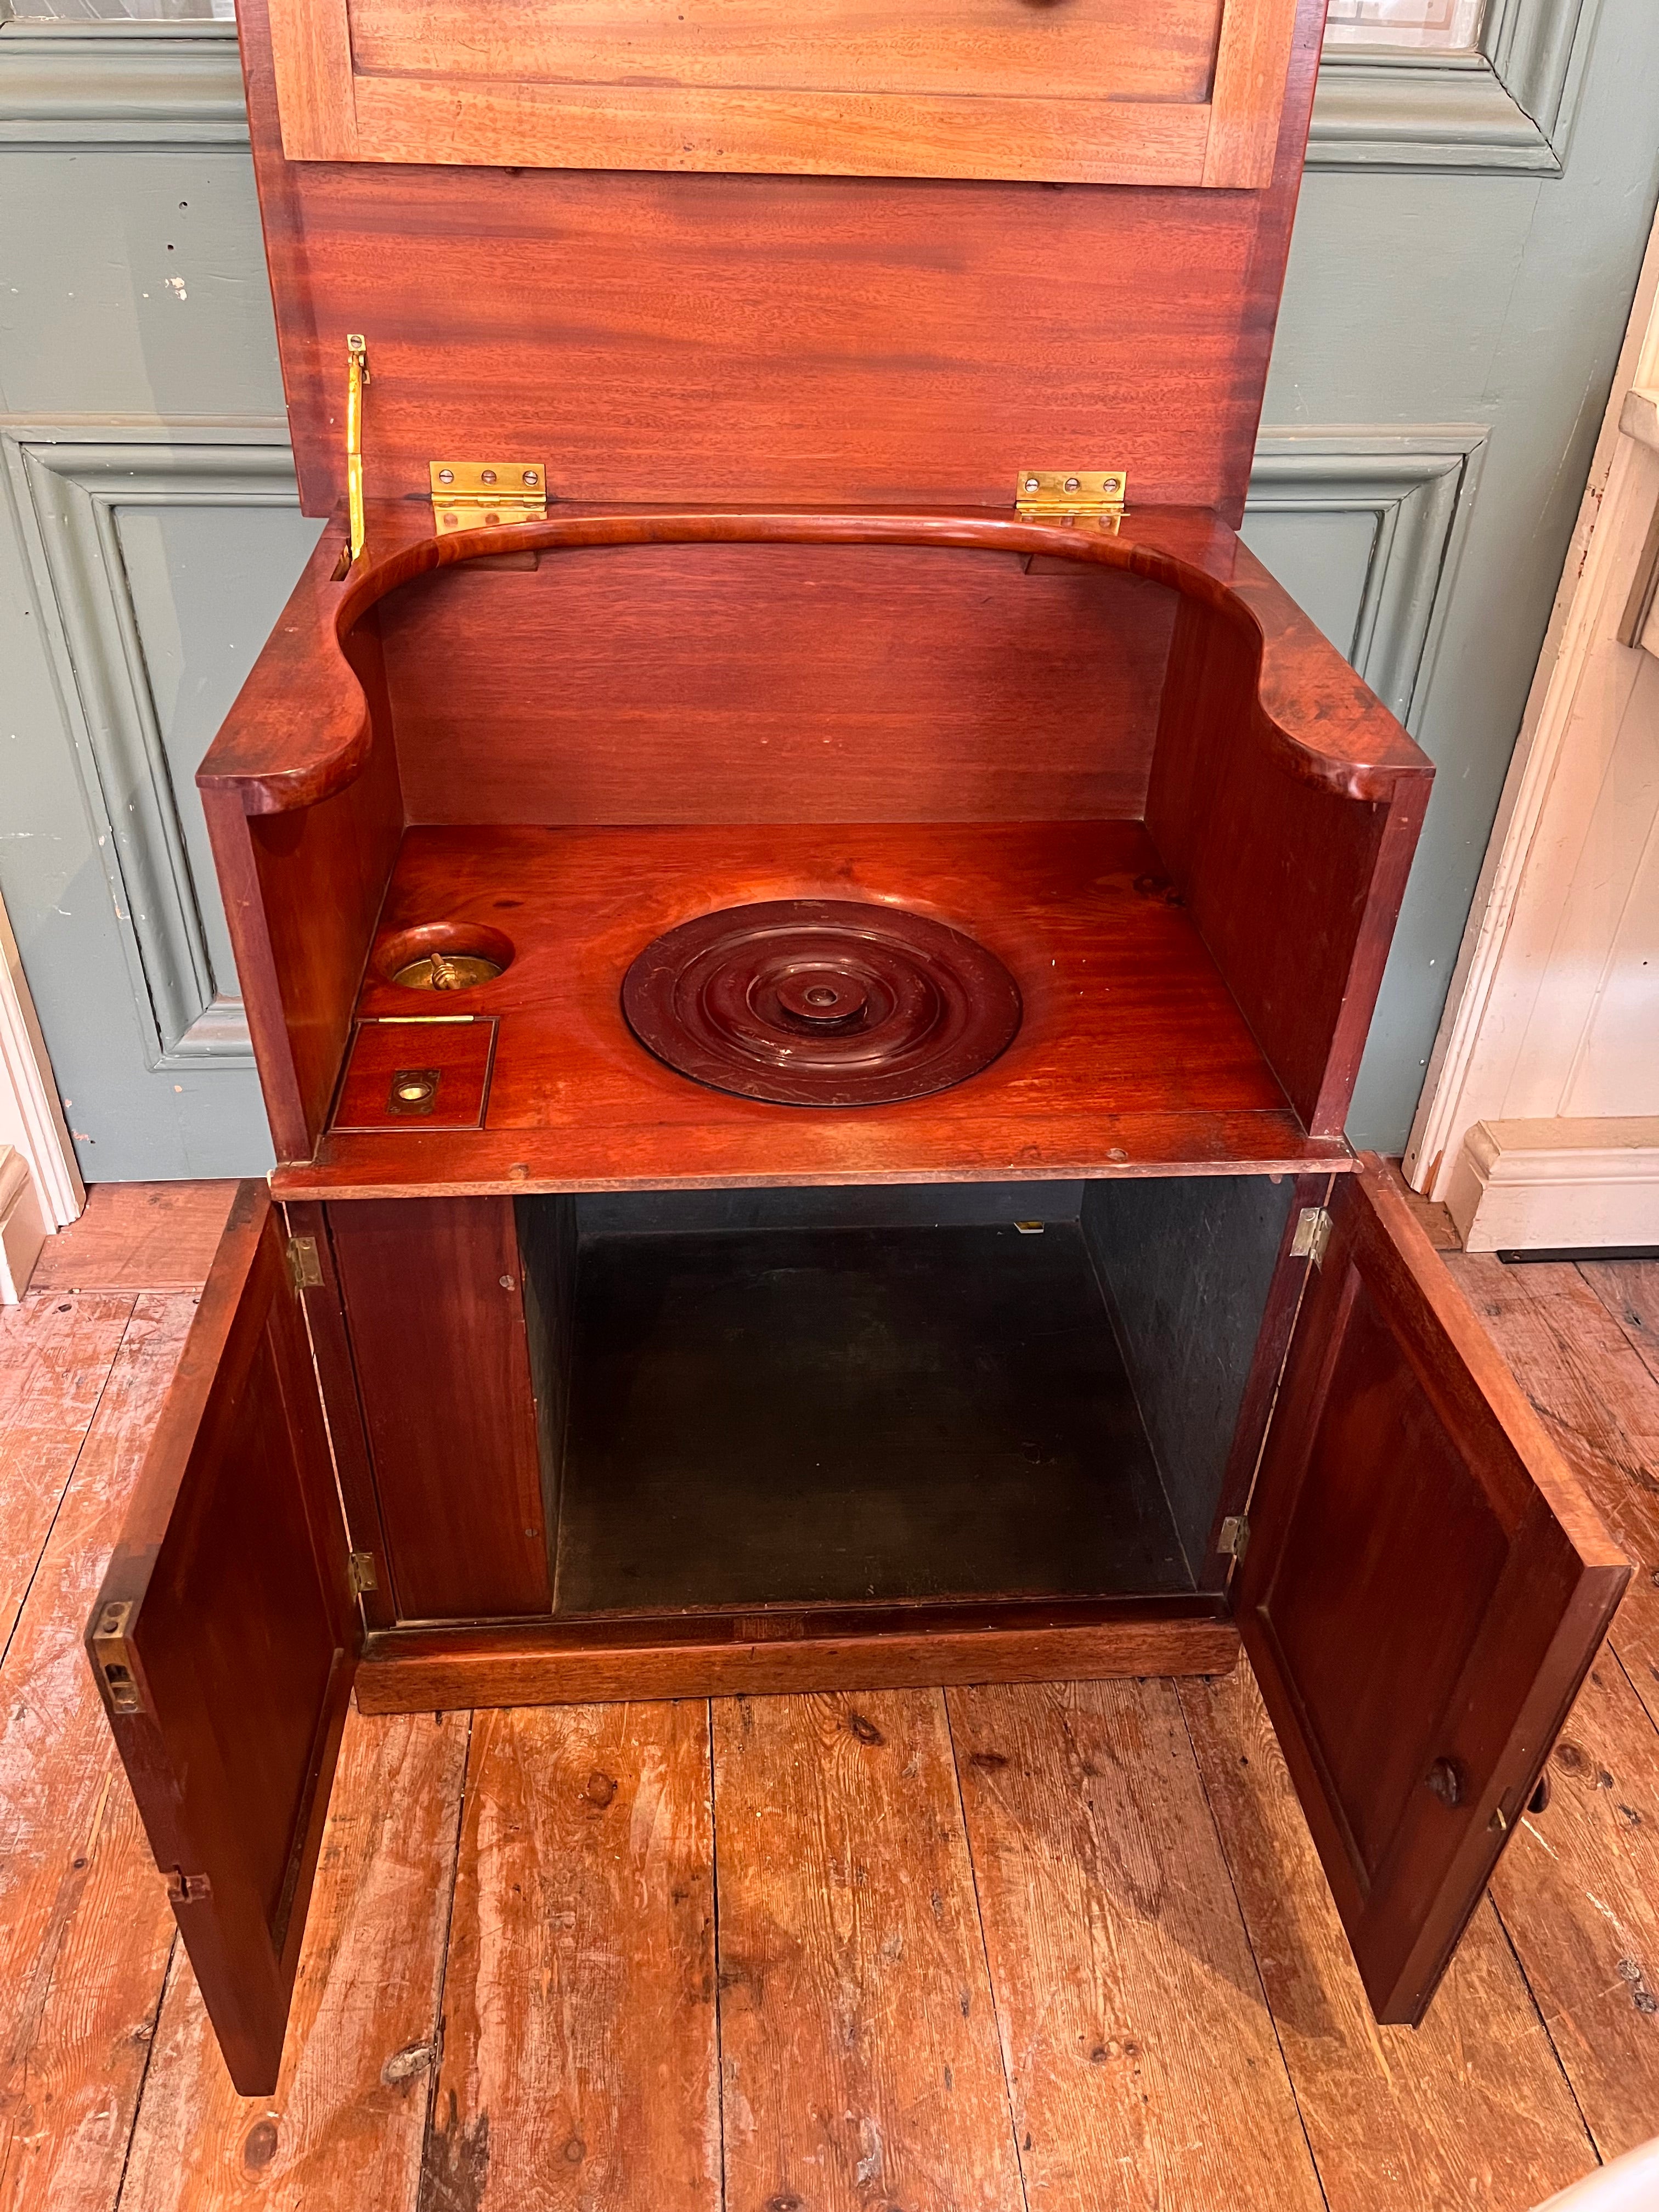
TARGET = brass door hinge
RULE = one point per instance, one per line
(485, 495)
(1072, 496)
(1235, 1536)
(113, 1656)
(1313, 1234)
(304, 1263)
(360, 1573)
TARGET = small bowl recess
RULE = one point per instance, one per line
(443, 956)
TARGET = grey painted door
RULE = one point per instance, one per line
(1465, 255)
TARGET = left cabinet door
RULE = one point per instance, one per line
(224, 1638)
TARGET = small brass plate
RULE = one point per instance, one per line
(486, 495)
(447, 971)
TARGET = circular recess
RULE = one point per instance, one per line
(442, 956)
(821, 1002)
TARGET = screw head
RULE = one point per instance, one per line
(531, 478)
(492, 519)
(450, 521)
(1072, 483)
(1031, 484)
(445, 476)
(487, 476)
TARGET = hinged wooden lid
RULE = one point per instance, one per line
(812, 254)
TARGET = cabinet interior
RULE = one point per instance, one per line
(888, 1397)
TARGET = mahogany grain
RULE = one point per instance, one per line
(805, 338)
(1129, 1043)
(241, 1636)
(434, 1308)
(1425, 1588)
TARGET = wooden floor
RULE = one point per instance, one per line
(1065, 1949)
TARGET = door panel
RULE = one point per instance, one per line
(224, 1639)
(1424, 1589)
(1152, 92)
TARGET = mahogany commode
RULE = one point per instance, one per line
(781, 498)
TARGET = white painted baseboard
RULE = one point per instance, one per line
(22, 1225)
(1553, 1186)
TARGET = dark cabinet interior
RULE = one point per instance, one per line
(808, 917)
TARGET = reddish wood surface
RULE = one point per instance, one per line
(407, 1671)
(54, 1354)
(1142, 2061)
(449, 1059)
(859, 2051)
(336, 1379)
(1590, 1386)
(1471, 2108)
(346, 2121)
(1578, 1891)
(241, 1639)
(579, 2050)
(775, 683)
(302, 892)
(1244, 842)
(1425, 1588)
(435, 1309)
(137, 1237)
(1129, 1044)
(1185, 94)
(806, 338)
(85, 1930)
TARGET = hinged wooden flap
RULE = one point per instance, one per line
(1424, 1589)
(224, 1639)
(781, 255)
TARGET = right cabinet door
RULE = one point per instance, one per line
(1424, 1590)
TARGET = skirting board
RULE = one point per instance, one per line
(22, 1225)
(1558, 1185)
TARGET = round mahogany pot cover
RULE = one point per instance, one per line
(821, 1002)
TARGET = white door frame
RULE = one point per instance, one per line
(40, 1185)
(1539, 1122)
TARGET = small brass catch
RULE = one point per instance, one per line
(113, 1656)
(486, 495)
(1072, 496)
(1313, 1234)
(360, 1573)
(188, 1888)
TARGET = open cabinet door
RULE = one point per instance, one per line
(224, 1639)
(1424, 1590)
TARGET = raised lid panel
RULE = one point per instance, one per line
(1169, 91)
(798, 339)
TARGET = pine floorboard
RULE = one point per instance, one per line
(1021, 1948)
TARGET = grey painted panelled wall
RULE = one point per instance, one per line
(1465, 254)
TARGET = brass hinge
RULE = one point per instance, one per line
(360, 1573)
(1235, 1536)
(1313, 1234)
(485, 495)
(113, 1656)
(1072, 496)
(188, 1888)
(304, 1263)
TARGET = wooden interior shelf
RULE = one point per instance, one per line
(1132, 1056)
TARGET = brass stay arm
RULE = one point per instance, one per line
(356, 377)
